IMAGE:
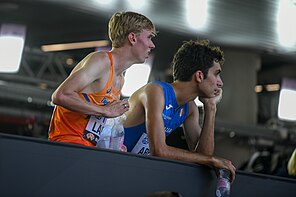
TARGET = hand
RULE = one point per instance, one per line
(123, 148)
(218, 96)
(213, 100)
(116, 108)
(219, 163)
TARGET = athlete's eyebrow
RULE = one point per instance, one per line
(151, 35)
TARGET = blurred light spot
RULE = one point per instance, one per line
(286, 23)
(139, 5)
(198, 102)
(69, 61)
(197, 13)
(29, 99)
(258, 88)
(135, 77)
(287, 107)
(272, 87)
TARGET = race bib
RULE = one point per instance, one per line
(142, 146)
(94, 128)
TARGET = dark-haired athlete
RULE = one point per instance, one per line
(158, 108)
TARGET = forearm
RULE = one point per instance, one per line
(183, 155)
(77, 104)
(206, 140)
(194, 157)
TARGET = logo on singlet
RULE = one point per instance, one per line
(145, 140)
(105, 101)
(181, 112)
(167, 107)
(109, 90)
(165, 117)
(168, 130)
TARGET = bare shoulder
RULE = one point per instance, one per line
(152, 95)
(98, 58)
(152, 89)
(94, 63)
(192, 105)
(193, 109)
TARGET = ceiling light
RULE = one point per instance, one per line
(286, 23)
(197, 13)
(138, 5)
(11, 47)
(272, 87)
(287, 107)
(75, 45)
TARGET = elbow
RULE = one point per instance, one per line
(158, 151)
(58, 98)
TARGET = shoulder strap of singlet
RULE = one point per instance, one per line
(168, 93)
(110, 57)
(167, 87)
(112, 70)
(111, 75)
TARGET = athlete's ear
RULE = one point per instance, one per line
(199, 76)
(132, 37)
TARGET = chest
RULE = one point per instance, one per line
(173, 117)
(105, 83)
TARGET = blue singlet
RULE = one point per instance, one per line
(173, 116)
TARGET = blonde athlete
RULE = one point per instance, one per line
(91, 93)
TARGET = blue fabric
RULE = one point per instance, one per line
(173, 116)
(86, 97)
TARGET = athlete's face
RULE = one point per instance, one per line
(212, 85)
(144, 45)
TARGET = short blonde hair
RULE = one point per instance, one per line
(123, 23)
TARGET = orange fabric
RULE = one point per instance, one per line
(69, 126)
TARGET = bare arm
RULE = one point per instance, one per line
(153, 104)
(191, 127)
(206, 140)
(91, 69)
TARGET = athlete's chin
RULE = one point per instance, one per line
(140, 61)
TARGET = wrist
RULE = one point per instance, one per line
(210, 107)
(211, 161)
(101, 111)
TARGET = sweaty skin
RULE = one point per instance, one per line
(147, 105)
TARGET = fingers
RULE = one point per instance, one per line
(224, 163)
(117, 108)
(218, 96)
(123, 148)
(232, 170)
(125, 104)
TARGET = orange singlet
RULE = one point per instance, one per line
(69, 126)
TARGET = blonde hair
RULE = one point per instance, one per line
(123, 23)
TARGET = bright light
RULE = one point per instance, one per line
(287, 107)
(75, 45)
(198, 102)
(197, 13)
(106, 2)
(135, 77)
(11, 49)
(258, 88)
(272, 87)
(138, 4)
(286, 23)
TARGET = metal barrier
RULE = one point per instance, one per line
(37, 167)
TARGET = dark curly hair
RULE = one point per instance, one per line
(193, 56)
